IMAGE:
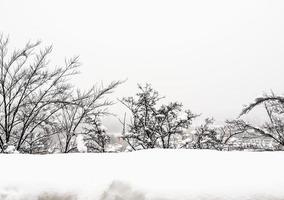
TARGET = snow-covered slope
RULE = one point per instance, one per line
(151, 174)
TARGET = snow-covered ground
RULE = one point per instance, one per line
(150, 174)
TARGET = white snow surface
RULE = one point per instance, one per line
(143, 175)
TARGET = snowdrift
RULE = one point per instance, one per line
(143, 175)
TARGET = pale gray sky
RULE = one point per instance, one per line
(213, 56)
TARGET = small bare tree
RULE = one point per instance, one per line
(209, 136)
(206, 136)
(97, 138)
(152, 126)
(29, 93)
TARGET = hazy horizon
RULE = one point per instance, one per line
(213, 56)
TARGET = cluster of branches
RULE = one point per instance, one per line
(39, 108)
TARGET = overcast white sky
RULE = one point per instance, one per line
(213, 56)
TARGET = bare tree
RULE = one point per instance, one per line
(152, 126)
(97, 138)
(273, 128)
(83, 117)
(209, 136)
(29, 93)
(206, 136)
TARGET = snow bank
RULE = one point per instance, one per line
(143, 175)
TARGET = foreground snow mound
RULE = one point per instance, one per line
(143, 175)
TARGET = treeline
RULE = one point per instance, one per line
(170, 126)
(41, 112)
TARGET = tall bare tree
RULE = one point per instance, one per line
(29, 91)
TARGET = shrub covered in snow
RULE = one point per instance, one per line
(81, 146)
(10, 149)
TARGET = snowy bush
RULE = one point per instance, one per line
(10, 149)
(81, 146)
(97, 138)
